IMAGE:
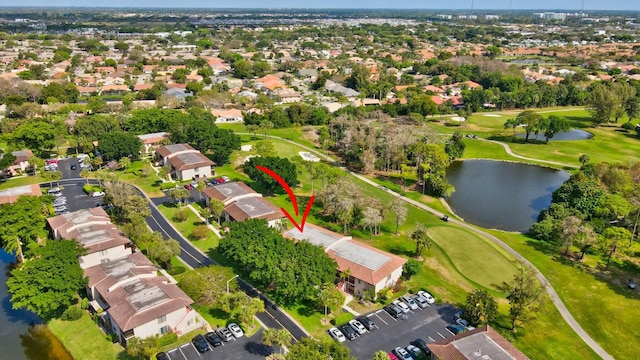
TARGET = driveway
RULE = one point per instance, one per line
(76, 197)
(64, 166)
(429, 324)
(236, 349)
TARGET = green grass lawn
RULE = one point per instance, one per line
(19, 181)
(608, 312)
(186, 227)
(85, 340)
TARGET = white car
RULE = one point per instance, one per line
(97, 193)
(357, 326)
(409, 301)
(235, 330)
(337, 335)
(427, 296)
(404, 307)
(464, 323)
(402, 354)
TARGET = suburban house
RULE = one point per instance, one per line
(368, 267)
(10, 195)
(21, 163)
(480, 343)
(241, 203)
(184, 161)
(227, 116)
(92, 228)
(125, 284)
(153, 140)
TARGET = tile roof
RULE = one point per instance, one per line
(480, 343)
(10, 195)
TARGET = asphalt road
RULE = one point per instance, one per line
(273, 317)
(243, 348)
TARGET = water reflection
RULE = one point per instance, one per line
(573, 134)
(501, 195)
(22, 336)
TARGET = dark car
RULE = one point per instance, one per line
(162, 356)
(366, 322)
(393, 310)
(225, 334)
(422, 345)
(455, 329)
(200, 343)
(73, 166)
(631, 284)
(213, 339)
(348, 331)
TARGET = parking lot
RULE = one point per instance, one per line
(236, 349)
(428, 324)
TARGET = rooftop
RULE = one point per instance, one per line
(483, 343)
(315, 235)
(362, 256)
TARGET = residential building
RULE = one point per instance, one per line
(21, 163)
(184, 161)
(153, 140)
(10, 195)
(242, 203)
(227, 115)
(368, 267)
(480, 343)
(92, 228)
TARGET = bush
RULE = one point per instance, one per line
(342, 318)
(167, 339)
(411, 268)
(87, 188)
(85, 304)
(628, 126)
(385, 294)
(200, 232)
(181, 215)
(71, 314)
(167, 185)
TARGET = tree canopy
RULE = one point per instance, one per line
(290, 271)
(116, 145)
(281, 166)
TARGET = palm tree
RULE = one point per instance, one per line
(85, 174)
(422, 239)
(276, 337)
(13, 245)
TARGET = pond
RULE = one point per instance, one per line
(573, 134)
(22, 335)
(501, 195)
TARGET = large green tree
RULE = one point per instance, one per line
(291, 271)
(529, 120)
(552, 125)
(281, 166)
(35, 135)
(49, 282)
(116, 145)
(525, 295)
(215, 278)
(21, 224)
(325, 348)
(480, 308)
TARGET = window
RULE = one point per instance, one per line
(105, 260)
(190, 322)
(165, 330)
(196, 170)
(103, 252)
(162, 319)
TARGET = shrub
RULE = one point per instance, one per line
(200, 232)
(182, 215)
(84, 304)
(411, 268)
(71, 314)
(90, 188)
(342, 318)
(628, 126)
(167, 339)
(385, 294)
(167, 185)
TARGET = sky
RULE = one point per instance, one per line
(352, 4)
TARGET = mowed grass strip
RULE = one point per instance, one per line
(85, 340)
(473, 256)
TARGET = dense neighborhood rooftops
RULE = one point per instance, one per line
(10, 195)
(480, 343)
(112, 272)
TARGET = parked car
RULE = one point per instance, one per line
(54, 190)
(60, 201)
(213, 339)
(407, 299)
(221, 181)
(214, 181)
(162, 356)
(422, 345)
(194, 184)
(235, 330)
(631, 284)
(404, 307)
(367, 322)
(393, 310)
(464, 323)
(208, 183)
(200, 344)
(348, 331)
(421, 301)
(427, 296)
(188, 187)
(225, 334)
(455, 329)
(73, 166)
(60, 208)
(392, 356)
(357, 326)
(337, 334)
(97, 194)
(402, 354)
(225, 178)
(415, 352)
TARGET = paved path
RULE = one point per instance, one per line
(566, 315)
(510, 152)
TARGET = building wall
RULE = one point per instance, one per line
(181, 322)
(96, 258)
(237, 119)
(389, 280)
(189, 174)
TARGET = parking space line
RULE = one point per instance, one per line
(448, 331)
(181, 352)
(430, 338)
(376, 314)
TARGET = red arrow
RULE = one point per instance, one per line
(292, 196)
